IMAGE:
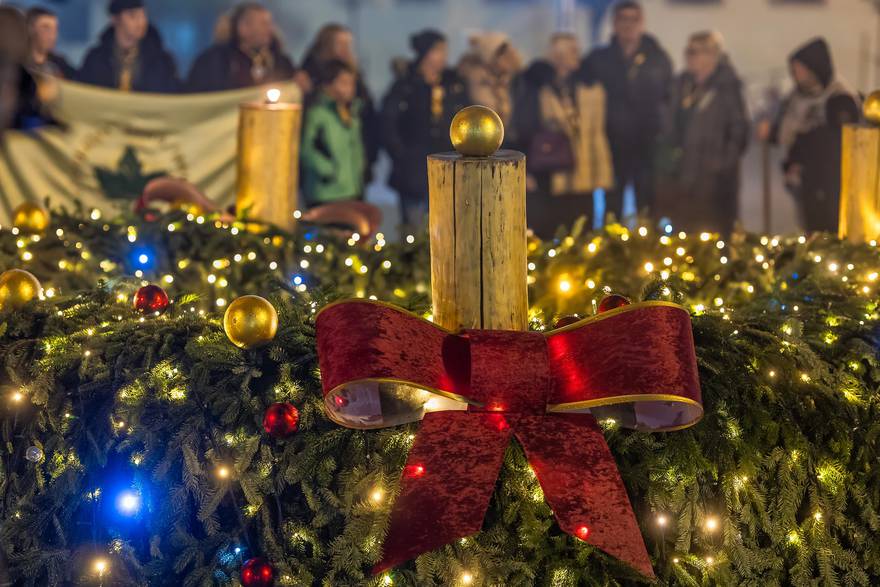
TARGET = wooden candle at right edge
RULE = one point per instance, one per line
(860, 183)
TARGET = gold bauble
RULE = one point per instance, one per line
(250, 321)
(30, 218)
(476, 131)
(872, 107)
(17, 288)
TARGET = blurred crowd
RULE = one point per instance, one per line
(617, 117)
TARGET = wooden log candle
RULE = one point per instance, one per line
(268, 160)
(478, 228)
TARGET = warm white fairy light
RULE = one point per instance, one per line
(467, 578)
(711, 524)
(662, 520)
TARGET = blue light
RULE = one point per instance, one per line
(667, 229)
(143, 259)
(237, 550)
(297, 280)
(128, 503)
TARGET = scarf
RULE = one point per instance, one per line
(803, 113)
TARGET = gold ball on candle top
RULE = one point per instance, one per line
(17, 288)
(476, 131)
(871, 107)
(30, 218)
(250, 321)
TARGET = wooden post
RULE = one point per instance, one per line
(860, 183)
(478, 240)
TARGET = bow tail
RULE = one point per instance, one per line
(582, 485)
(446, 484)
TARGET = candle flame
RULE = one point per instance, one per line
(273, 95)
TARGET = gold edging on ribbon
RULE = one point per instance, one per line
(578, 324)
(627, 398)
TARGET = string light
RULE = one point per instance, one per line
(467, 578)
(223, 472)
(662, 520)
(100, 565)
(377, 495)
(711, 524)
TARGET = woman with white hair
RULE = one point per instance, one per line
(706, 134)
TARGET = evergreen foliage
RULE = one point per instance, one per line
(784, 461)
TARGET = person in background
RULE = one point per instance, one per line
(561, 120)
(251, 55)
(416, 114)
(490, 69)
(706, 134)
(42, 28)
(636, 73)
(130, 55)
(335, 42)
(17, 87)
(332, 152)
(809, 129)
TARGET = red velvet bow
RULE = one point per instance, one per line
(382, 366)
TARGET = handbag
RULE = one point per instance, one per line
(550, 151)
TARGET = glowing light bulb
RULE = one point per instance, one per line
(16, 396)
(711, 524)
(662, 520)
(467, 578)
(273, 95)
(564, 286)
(128, 503)
(377, 495)
(223, 472)
(101, 566)
(582, 532)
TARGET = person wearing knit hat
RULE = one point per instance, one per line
(416, 114)
(489, 70)
(809, 128)
(130, 55)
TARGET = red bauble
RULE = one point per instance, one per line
(564, 321)
(151, 298)
(280, 420)
(612, 302)
(257, 572)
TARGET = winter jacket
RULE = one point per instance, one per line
(706, 133)
(415, 120)
(155, 70)
(637, 90)
(226, 67)
(332, 153)
(369, 116)
(810, 126)
(576, 110)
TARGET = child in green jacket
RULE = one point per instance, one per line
(333, 156)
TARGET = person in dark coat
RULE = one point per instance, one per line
(42, 27)
(416, 114)
(130, 55)
(251, 56)
(637, 74)
(706, 134)
(335, 42)
(809, 128)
